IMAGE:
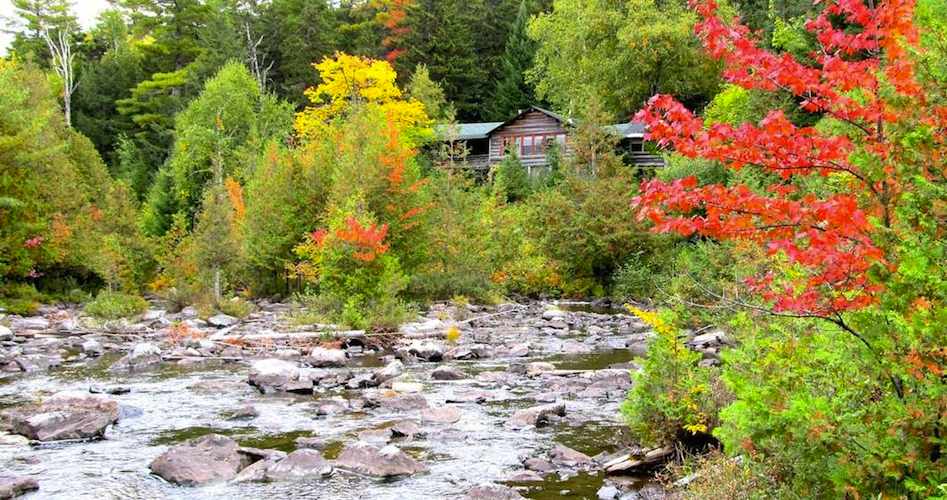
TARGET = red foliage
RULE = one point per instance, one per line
(33, 242)
(831, 238)
(394, 17)
(367, 242)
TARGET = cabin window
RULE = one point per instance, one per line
(637, 147)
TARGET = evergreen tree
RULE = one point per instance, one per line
(512, 93)
(225, 127)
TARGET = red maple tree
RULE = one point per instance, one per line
(863, 76)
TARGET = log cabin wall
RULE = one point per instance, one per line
(534, 125)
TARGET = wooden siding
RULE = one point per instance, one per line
(533, 123)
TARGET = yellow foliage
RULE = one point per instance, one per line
(652, 319)
(350, 81)
(453, 334)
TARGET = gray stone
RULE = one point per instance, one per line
(424, 351)
(5, 333)
(14, 486)
(222, 320)
(389, 461)
(246, 411)
(297, 465)
(565, 456)
(536, 416)
(554, 314)
(321, 357)
(608, 492)
(492, 492)
(200, 461)
(539, 367)
(405, 428)
(271, 375)
(390, 371)
(35, 323)
(143, 356)
(92, 348)
(65, 415)
(441, 415)
(447, 373)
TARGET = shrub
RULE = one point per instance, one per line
(236, 307)
(716, 475)
(673, 399)
(114, 305)
(511, 182)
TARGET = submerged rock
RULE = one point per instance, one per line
(65, 415)
(200, 461)
(385, 462)
(14, 486)
(390, 371)
(565, 456)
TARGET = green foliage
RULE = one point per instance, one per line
(112, 305)
(285, 199)
(512, 93)
(511, 182)
(619, 52)
(672, 399)
(227, 126)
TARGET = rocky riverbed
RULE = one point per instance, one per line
(517, 400)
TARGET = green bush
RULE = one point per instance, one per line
(115, 305)
(236, 307)
(672, 399)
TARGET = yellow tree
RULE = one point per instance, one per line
(350, 82)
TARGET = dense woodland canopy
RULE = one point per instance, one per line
(213, 151)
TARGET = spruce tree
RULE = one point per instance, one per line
(512, 93)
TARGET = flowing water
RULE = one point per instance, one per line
(172, 404)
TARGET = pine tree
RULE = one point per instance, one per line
(512, 93)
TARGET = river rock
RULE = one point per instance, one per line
(5, 333)
(246, 411)
(222, 320)
(554, 314)
(608, 492)
(441, 415)
(297, 465)
(447, 373)
(385, 462)
(144, 356)
(14, 486)
(390, 371)
(272, 375)
(65, 415)
(35, 323)
(565, 456)
(321, 357)
(200, 461)
(539, 367)
(424, 351)
(407, 387)
(536, 416)
(92, 348)
(406, 428)
(492, 492)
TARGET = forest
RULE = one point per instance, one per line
(223, 161)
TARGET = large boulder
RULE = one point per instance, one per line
(65, 415)
(321, 357)
(200, 461)
(389, 461)
(144, 356)
(297, 465)
(536, 416)
(567, 457)
(35, 323)
(14, 486)
(274, 375)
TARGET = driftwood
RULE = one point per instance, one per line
(628, 462)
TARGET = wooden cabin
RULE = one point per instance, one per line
(530, 134)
